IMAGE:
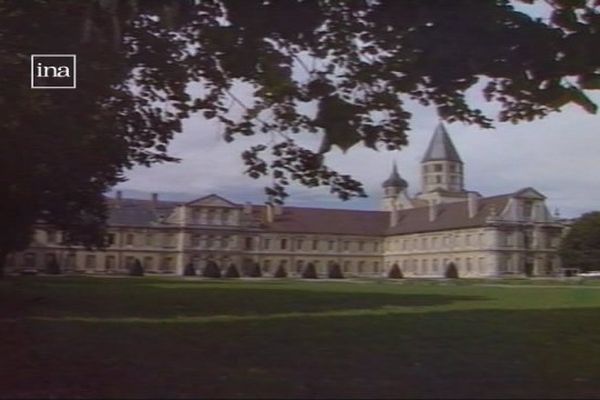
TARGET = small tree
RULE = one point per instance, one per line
(310, 272)
(280, 272)
(189, 270)
(255, 271)
(211, 270)
(451, 271)
(136, 269)
(232, 271)
(395, 272)
(580, 247)
(334, 271)
(52, 267)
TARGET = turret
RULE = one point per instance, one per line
(441, 167)
(393, 187)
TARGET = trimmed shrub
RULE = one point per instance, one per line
(232, 271)
(255, 271)
(451, 271)
(136, 269)
(52, 267)
(310, 272)
(189, 270)
(280, 272)
(334, 271)
(528, 270)
(395, 272)
(211, 270)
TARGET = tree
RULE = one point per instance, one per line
(211, 270)
(358, 62)
(334, 271)
(310, 272)
(136, 268)
(395, 272)
(451, 271)
(281, 272)
(580, 248)
(232, 271)
(52, 267)
(189, 270)
(254, 271)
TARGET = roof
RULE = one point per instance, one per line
(395, 180)
(441, 147)
(449, 216)
(307, 220)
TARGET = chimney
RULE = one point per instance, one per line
(247, 208)
(278, 208)
(433, 210)
(270, 211)
(393, 215)
(118, 198)
(472, 204)
(154, 200)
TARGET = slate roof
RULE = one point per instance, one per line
(441, 147)
(395, 180)
(140, 213)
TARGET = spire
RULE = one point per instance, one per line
(441, 147)
(395, 180)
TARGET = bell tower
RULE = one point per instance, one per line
(394, 192)
(441, 167)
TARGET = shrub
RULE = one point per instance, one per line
(211, 270)
(334, 271)
(310, 272)
(52, 267)
(232, 272)
(451, 271)
(255, 271)
(395, 272)
(189, 270)
(280, 272)
(136, 269)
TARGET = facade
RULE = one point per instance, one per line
(510, 234)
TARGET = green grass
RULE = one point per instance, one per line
(151, 337)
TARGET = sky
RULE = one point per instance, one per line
(557, 155)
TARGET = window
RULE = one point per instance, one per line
(437, 167)
(361, 266)
(481, 239)
(434, 243)
(315, 245)
(266, 243)
(283, 244)
(435, 266)
(209, 242)
(247, 243)
(438, 179)
(169, 240)
(71, 261)
(224, 242)
(375, 267)
(299, 265)
(90, 261)
(467, 240)
(468, 264)
(167, 264)
(149, 239)
(225, 217)
(424, 267)
(299, 244)
(129, 239)
(480, 265)
(331, 245)
(148, 263)
(110, 239)
(347, 266)
(267, 266)
(527, 209)
(51, 236)
(29, 260)
(361, 246)
(375, 247)
(109, 262)
(424, 243)
(196, 240)
(346, 245)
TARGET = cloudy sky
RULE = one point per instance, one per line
(559, 156)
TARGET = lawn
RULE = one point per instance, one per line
(152, 337)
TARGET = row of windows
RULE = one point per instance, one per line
(438, 266)
(212, 216)
(436, 242)
(440, 179)
(319, 245)
(439, 167)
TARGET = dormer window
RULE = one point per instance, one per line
(527, 209)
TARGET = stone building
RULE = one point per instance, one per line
(509, 234)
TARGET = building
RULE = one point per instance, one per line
(509, 234)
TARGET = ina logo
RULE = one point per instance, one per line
(53, 71)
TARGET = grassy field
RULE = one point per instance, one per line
(151, 337)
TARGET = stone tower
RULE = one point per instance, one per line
(441, 167)
(394, 192)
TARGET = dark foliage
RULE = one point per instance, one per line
(52, 267)
(451, 271)
(211, 270)
(281, 272)
(395, 272)
(580, 248)
(310, 272)
(232, 271)
(254, 271)
(334, 271)
(136, 269)
(189, 270)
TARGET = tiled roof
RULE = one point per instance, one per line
(133, 212)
